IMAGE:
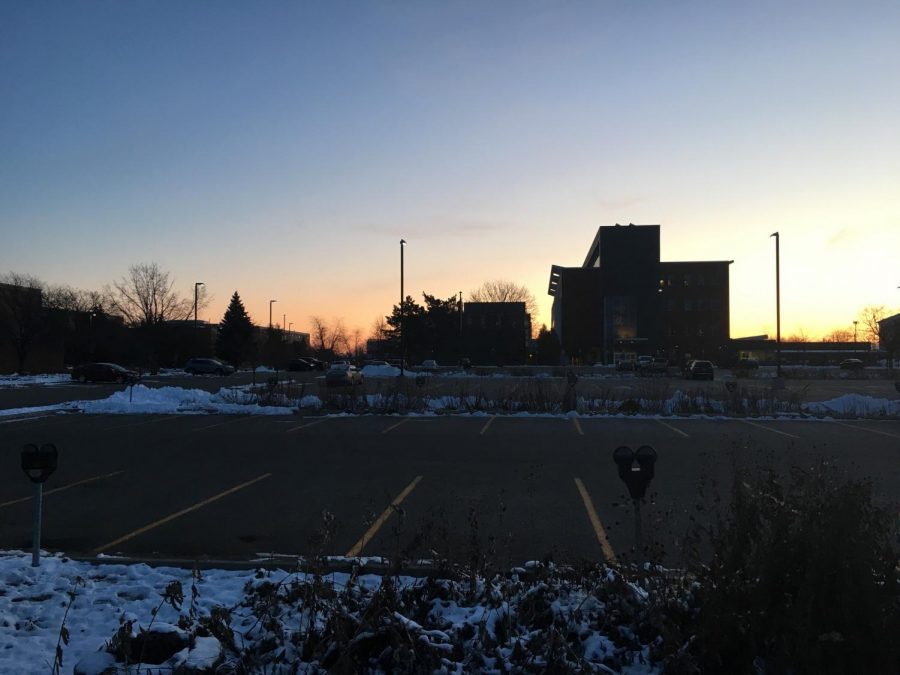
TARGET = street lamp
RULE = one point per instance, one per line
(777, 303)
(271, 302)
(197, 285)
(402, 345)
(854, 330)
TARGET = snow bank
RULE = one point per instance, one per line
(856, 404)
(380, 371)
(171, 400)
(15, 380)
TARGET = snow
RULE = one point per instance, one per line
(173, 400)
(15, 380)
(380, 371)
(91, 600)
(856, 405)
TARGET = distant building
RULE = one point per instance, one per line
(496, 333)
(624, 300)
(889, 341)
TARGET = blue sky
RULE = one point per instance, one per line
(283, 148)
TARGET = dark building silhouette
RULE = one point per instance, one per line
(496, 333)
(624, 300)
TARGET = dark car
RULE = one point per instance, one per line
(315, 363)
(852, 364)
(207, 367)
(700, 370)
(342, 373)
(301, 365)
(104, 372)
(660, 365)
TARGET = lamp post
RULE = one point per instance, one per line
(271, 302)
(402, 313)
(197, 285)
(777, 303)
(854, 330)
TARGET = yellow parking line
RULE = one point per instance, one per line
(168, 519)
(237, 418)
(486, 425)
(871, 431)
(373, 529)
(64, 487)
(669, 426)
(608, 552)
(308, 424)
(774, 431)
(142, 422)
(394, 426)
(578, 426)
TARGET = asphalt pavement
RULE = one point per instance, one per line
(508, 489)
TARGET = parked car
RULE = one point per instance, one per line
(699, 369)
(644, 362)
(295, 365)
(660, 365)
(852, 364)
(104, 372)
(207, 367)
(343, 374)
(429, 364)
(316, 363)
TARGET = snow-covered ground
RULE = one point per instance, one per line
(243, 400)
(14, 380)
(90, 602)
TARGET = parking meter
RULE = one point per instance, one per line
(38, 464)
(636, 478)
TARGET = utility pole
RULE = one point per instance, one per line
(402, 343)
(270, 311)
(196, 296)
(777, 304)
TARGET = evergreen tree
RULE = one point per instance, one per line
(235, 343)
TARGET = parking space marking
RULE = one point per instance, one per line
(394, 426)
(871, 431)
(373, 529)
(578, 426)
(236, 418)
(486, 425)
(308, 424)
(605, 546)
(669, 426)
(25, 419)
(141, 423)
(774, 431)
(170, 518)
(63, 487)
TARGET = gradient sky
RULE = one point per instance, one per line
(282, 149)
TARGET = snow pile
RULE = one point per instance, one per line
(16, 380)
(274, 621)
(380, 371)
(856, 405)
(170, 400)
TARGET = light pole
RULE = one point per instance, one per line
(271, 302)
(402, 344)
(854, 330)
(777, 303)
(283, 321)
(197, 285)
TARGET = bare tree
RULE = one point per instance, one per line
(380, 330)
(799, 336)
(500, 290)
(325, 337)
(869, 317)
(839, 335)
(21, 313)
(146, 297)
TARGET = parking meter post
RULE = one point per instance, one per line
(36, 525)
(638, 532)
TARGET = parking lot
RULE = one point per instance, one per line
(449, 487)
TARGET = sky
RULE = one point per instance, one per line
(283, 149)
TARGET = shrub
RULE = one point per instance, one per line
(803, 579)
